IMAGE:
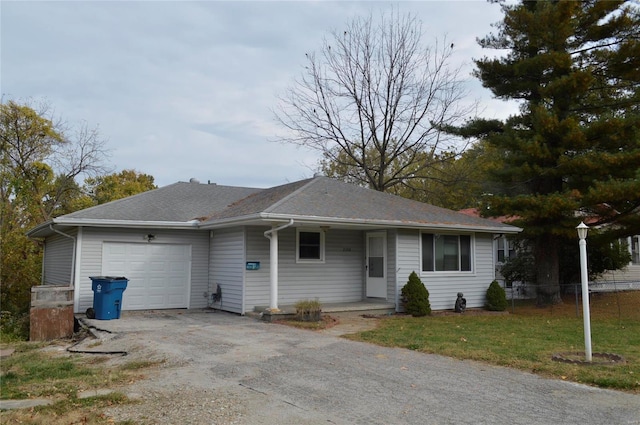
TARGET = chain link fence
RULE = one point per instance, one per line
(607, 299)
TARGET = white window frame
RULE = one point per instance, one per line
(634, 249)
(508, 250)
(472, 254)
(322, 245)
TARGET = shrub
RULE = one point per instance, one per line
(308, 310)
(496, 297)
(415, 297)
(13, 327)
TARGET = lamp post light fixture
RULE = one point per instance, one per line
(582, 235)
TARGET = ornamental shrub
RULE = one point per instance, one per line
(496, 297)
(415, 297)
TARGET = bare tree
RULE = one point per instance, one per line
(374, 99)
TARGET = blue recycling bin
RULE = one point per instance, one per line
(107, 297)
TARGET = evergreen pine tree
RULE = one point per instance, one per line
(574, 146)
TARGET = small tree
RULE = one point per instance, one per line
(496, 297)
(415, 297)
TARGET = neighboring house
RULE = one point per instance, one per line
(315, 238)
(503, 249)
(628, 277)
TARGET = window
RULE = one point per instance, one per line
(310, 246)
(446, 252)
(635, 249)
(505, 249)
(631, 244)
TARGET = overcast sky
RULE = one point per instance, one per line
(186, 89)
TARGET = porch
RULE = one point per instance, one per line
(368, 306)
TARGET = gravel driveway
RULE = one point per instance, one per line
(226, 369)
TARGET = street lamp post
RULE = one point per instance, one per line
(582, 235)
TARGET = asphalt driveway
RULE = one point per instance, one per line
(221, 368)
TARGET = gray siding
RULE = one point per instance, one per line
(443, 286)
(631, 273)
(227, 264)
(91, 258)
(58, 260)
(339, 279)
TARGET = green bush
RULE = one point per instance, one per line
(415, 297)
(496, 297)
(13, 327)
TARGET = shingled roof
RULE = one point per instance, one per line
(317, 200)
(323, 198)
(179, 202)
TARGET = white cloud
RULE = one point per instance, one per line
(185, 89)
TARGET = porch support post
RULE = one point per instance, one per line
(273, 270)
(272, 235)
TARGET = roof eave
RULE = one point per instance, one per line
(237, 221)
(357, 222)
(40, 230)
(135, 224)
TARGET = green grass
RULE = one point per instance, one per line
(527, 338)
(40, 370)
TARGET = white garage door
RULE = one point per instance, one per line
(159, 274)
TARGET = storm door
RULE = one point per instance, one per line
(376, 265)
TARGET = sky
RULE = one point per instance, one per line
(182, 89)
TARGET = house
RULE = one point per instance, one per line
(629, 276)
(315, 238)
(504, 248)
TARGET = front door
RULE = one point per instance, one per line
(376, 265)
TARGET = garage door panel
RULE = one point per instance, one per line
(156, 301)
(158, 274)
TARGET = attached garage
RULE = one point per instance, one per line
(159, 274)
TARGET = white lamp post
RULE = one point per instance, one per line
(582, 234)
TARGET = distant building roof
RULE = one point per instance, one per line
(474, 212)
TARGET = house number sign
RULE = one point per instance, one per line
(253, 265)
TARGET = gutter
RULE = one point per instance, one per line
(73, 256)
(267, 234)
(128, 223)
(399, 224)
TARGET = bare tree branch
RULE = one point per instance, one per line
(373, 98)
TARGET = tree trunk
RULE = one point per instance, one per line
(547, 270)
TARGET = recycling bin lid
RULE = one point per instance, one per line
(109, 278)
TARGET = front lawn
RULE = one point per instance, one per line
(41, 370)
(528, 337)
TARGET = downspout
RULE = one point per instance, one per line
(73, 255)
(267, 234)
(272, 235)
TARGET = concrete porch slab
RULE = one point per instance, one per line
(370, 306)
